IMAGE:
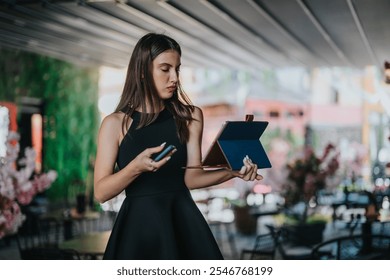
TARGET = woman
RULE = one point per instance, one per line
(158, 219)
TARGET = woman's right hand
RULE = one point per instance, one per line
(248, 171)
(147, 164)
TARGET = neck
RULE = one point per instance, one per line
(150, 110)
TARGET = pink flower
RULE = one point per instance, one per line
(11, 217)
(26, 197)
(16, 186)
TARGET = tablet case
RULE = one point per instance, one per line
(234, 141)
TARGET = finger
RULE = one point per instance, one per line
(153, 150)
(254, 173)
(161, 162)
(251, 163)
(242, 171)
(150, 165)
(259, 177)
(165, 158)
(247, 177)
(246, 162)
(248, 174)
(254, 170)
(251, 166)
(173, 151)
(251, 171)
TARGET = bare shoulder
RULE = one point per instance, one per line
(113, 120)
(197, 114)
(196, 125)
(112, 126)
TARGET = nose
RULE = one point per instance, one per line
(174, 76)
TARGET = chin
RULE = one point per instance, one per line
(167, 96)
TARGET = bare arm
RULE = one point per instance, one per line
(199, 178)
(108, 184)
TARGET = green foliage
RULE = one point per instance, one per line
(71, 117)
(283, 219)
(272, 134)
(318, 218)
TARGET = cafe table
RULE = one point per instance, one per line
(89, 245)
(85, 221)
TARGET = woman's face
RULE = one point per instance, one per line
(166, 73)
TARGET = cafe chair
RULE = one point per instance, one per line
(286, 246)
(224, 235)
(51, 253)
(28, 239)
(36, 237)
(381, 227)
(31, 248)
(49, 232)
(263, 249)
(288, 251)
(361, 246)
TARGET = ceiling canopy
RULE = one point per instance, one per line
(238, 34)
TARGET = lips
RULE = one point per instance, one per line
(171, 88)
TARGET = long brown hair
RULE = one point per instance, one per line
(139, 88)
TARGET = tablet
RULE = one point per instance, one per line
(235, 140)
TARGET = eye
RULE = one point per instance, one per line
(164, 69)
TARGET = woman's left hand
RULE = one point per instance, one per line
(248, 171)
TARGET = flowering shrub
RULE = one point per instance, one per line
(17, 186)
(308, 174)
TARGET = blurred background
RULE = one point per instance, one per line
(315, 70)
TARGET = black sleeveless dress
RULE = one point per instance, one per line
(158, 218)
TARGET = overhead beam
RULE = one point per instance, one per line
(323, 32)
(22, 42)
(79, 22)
(177, 12)
(87, 10)
(362, 33)
(46, 38)
(192, 55)
(184, 37)
(249, 47)
(59, 30)
(272, 20)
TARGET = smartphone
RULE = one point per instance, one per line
(166, 151)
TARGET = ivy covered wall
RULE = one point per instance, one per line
(71, 117)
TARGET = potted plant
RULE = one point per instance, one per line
(244, 221)
(305, 177)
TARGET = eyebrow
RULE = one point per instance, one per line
(167, 64)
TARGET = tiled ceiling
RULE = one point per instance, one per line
(249, 34)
